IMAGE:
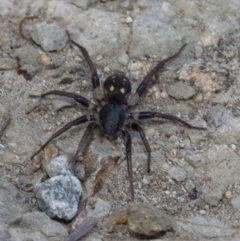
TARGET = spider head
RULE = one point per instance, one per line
(117, 87)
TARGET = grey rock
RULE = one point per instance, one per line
(217, 118)
(79, 171)
(236, 203)
(58, 197)
(13, 203)
(195, 159)
(148, 220)
(177, 173)
(49, 36)
(180, 91)
(28, 182)
(83, 3)
(58, 166)
(7, 63)
(28, 55)
(189, 185)
(123, 59)
(98, 208)
(214, 196)
(37, 226)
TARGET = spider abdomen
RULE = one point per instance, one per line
(112, 117)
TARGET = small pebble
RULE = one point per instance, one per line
(164, 94)
(106, 69)
(228, 195)
(173, 152)
(236, 203)
(177, 173)
(99, 57)
(202, 211)
(233, 147)
(128, 19)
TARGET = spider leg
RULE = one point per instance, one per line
(148, 115)
(80, 99)
(133, 99)
(129, 160)
(77, 121)
(98, 95)
(140, 130)
(82, 143)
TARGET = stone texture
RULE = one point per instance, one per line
(49, 36)
(58, 197)
(37, 226)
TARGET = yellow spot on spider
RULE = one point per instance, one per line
(122, 90)
(111, 88)
(124, 79)
(113, 77)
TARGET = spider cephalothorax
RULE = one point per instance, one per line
(113, 113)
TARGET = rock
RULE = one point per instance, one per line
(180, 91)
(13, 204)
(148, 220)
(49, 36)
(28, 182)
(177, 173)
(7, 63)
(128, 19)
(228, 194)
(123, 59)
(37, 226)
(189, 185)
(217, 118)
(79, 171)
(214, 197)
(58, 166)
(58, 197)
(28, 55)
(99, 160)
(236, 203)
(195, 159)
(98, 208)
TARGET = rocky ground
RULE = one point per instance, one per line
(195, 174)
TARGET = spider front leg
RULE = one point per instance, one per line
(80, 99)
(148, 115)
(133, 99)
(75, 122)
(97, 92)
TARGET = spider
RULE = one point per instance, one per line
(113, 115)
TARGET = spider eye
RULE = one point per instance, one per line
(117, 88)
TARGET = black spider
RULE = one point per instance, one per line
(113, 112)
